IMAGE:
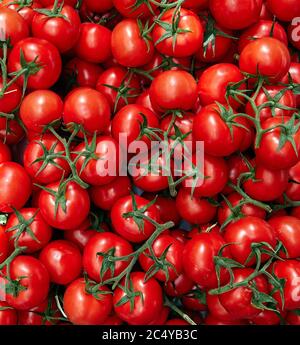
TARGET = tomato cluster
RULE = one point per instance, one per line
(216, 244)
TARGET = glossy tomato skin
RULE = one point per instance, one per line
(145, 309)
(11, 132)
(11, 97)
(33, 275)
(53, 29)
(236, 166)
(173, 90)
(294, 73)
(243, 233)
(41, 108)
(129, 9)
(267, 318)
(195, 210)
(77, 206)
(40, 229)
(104, 243)
(129, 48)
(216, 308)
(292, 318)
(62, 260)
(83, 308)
(105, 196)
(180, 286)
(186, 43)
(198, 256)
(93, 44)
(8, 315)
(269, 54)
(5, 154)
(99, 6)
(46, 55)
(174, 257)
(15, 186)
(89, 108)
(126, 227)
(235, 15)
(81, 235)
(27, 12)
(3, 244)
(284, 10)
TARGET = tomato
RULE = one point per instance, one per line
(214, 81)
(13, 26)
(180, 286)
(224, 211)
(5, 154)
(284, 10)
(29, 272)
(267, 318)
(198, 258)
(83, 308)
(62, 31)
(84, 73)
(119, 86)
(8, 315)
(97, 170)
(195, 210)
(51, 2)
(293, 318)
(11, 132)
(177, 322)
(34, 236)
(129, 47)
(216, 309)
(132, 9)
(127, 227)
(239, 301)
(263, 28)
(293, 33)
(10, 98)
(195, 301)
(73, 210)
(128, 122)
(211, 127)
(162, 317)
(41, 108)
(294, 73)
(173, 90)
(188, 33)
(108, 244)
(296, 212)
(99, 6)
(271, 152)
(89, 108)
(279, 96)
(81, 235)
(26, 10)
(288, 270)
(234, 14)
(267, 56)
(93, 44)
(105, 196)
(147, 304)
(15, 186)
(293, 190)
(3, 244)
(243, 233)
(62, 260)
(44, 54)
(171, 265)
(144, 100)
(213, 321)
(195, 4)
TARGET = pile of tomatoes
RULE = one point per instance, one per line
(82, 247)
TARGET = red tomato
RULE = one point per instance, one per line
(132, 9)
(267, 318)
(284, 10)
(93, 44)
(144, 100)
(81, 235)
(293, 318)
(89, 108)
(108, 244)
(46, 57)
(8, 315)
(71, 213)
(26, 10)
(267, 56)
(237, 166)
(294, 73)
(11, 132)
(177, 322)
(10, 98)
(188, 33)
(99, 6)
(162, 317)
(32, 274)
(180, 286)
(147, 305)
(127, 227)
(195, 301)
(15, 186)
(3, 244)
(213, 321)
(216, 308)
(5, 155)
(82, 308)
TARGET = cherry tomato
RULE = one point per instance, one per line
(10, 98)
(180, 286)
(11, 132)
(5, 154)
(99, 6)
(132, 9)
(8, 315)
(26, 10)
(3, 244)
(284, 10)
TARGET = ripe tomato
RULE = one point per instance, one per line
(15, 186)
(129, 47)
(216, 308)
(99, 6)
(234, 14)
(267, 56)
(93, 44)
(3, 244)
(62, 260)
(195, 210)
(46, 57)
(132, 9)
(294, 73)
(89, 108)
(10, 98)
(26, 10)
(236, 166)
(293, 318)
(82, 308)
(173, 90)
(162, 318)
(144, 100)
(34, 236)
(5, 155)
(170, 264)
(213, 321)
(180, 286)
(267, 318)
(243, 233)
(62, 31)
(147, 304)
(11, 132)
(73, 210)
(8, 315)
(188, 33)
(284, 10)
(126, 226)
(29, 272)
(198, 258)
(81, 235)
(108, 244)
